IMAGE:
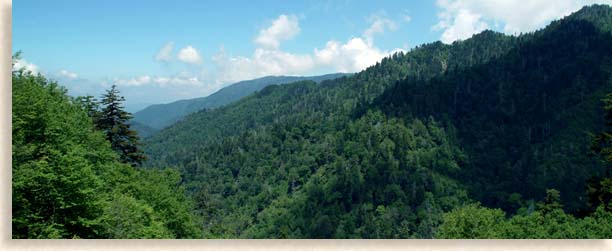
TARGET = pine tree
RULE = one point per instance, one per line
(599, 189)
(602, 143)
(91, 106)
(551, 202)
(114, 122)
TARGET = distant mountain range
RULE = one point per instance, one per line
(156, 117)
(402, 147)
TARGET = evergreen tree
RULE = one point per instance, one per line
(114, 122)
(602, 143)
(67, 182)
(91, 106)
(552, 201)
(599, 189)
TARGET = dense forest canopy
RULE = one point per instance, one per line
(493, 137)
(514, 113)
(156, 117)
(523, 117)
(69, 182)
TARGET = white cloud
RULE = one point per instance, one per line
(359, 52)
(189, 55)
(165, 53)
(182, 79)
(354, 55)
(378, 24)
(263, 62)
(463, 26)
(459, 19)
(67, 74)
(27, 66)
(283, 28)
(137, 81)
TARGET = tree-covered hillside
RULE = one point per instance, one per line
(496, 136)
(524, 117)
(156, 117)
(68, 182)
(384, 153)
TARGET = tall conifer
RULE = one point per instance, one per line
(114, 122)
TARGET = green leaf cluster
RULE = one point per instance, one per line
(69, 183)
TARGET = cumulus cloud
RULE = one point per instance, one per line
(463, 25)
(283, 28)
(27, 66)
(459, 19)
(355, 54)
(165, 53)
(263, 62)
(189, 55)
(67, 74)
(359, 52)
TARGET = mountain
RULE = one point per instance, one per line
(142, 129)
(162, 115)
(137, 106)
(389, 151)
(524, 117)
(68, 182)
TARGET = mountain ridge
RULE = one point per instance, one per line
(404, 141)
(159, 116)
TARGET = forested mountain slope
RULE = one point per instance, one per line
(524, 117)
(67, 182)
(385, 152)
(162, 115)
(142, 129)
(331, 100)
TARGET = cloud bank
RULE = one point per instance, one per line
(354, 55)
(269, 58)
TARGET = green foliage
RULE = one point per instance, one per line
(91, 106)
(55, 160)
(599, 191)
(522, 117)
(114, 122)
(385, 152)
(361, 182)
(600, 188)
(157, 197)
(142, 129)
(128, 218)
(472, 222)
(602, 142)
(69, 183)
(475, 221)
(395, 151)
(551, 202)
(156, 117)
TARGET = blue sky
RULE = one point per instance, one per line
(161, 51)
